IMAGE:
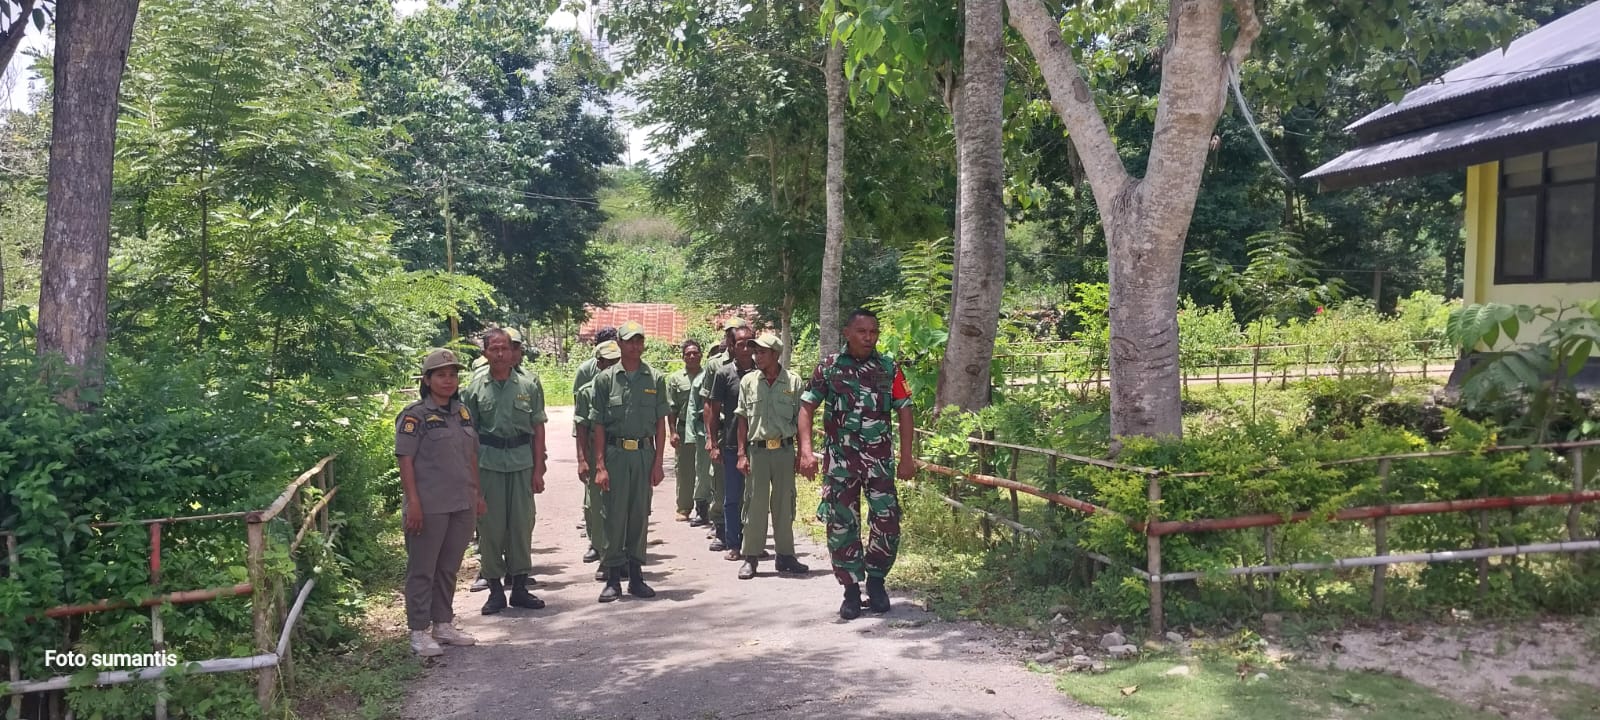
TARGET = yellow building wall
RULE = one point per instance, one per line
(1482, 202)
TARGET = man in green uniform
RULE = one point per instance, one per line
(606, 354)
(724, 351)
(630, 434)
(681, 428)
(508, 405)
(769, 408)
(586, 372)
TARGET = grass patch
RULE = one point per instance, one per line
(1212, 690)
(1564, 698)
(368, 677)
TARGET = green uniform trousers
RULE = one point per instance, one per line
(505, 532)
(708, 481)
(594, 514)
(687, 468)
(627, 504)
(769, 487)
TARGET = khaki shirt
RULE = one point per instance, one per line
(443, 446)
(506, 409)
(681, 387)
(772, 410)
(628, 405)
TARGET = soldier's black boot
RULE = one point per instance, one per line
(613, 589)
(600, 575)
(699, 517)
(497, 597)
(877, 597)
(717, 544)
(850, 609)
(591, 555)
(520, 597)
(748, 569)
(636, 586)
(791, 564)
(479, 585)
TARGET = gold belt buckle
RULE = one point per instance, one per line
(630, 444)
(774, 443)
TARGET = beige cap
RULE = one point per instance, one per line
(439, 358)
(734, 323)
(770, 342)
(630, 329)
(607, 350)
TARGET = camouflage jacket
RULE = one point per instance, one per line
(860, 396)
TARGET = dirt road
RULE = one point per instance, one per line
(710, 645)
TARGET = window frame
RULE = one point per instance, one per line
(1540, 240)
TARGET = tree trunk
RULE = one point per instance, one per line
(1146, 221)
(980, 216)
(786, 312)
(92, 38)
(833, 244)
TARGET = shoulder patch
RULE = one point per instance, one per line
(466, 417)
(408, 425)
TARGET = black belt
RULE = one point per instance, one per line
(639, 442)
(495, 441)
(782, 443)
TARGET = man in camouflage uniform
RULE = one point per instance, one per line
(606, 354)
(586, 372)
(508, 407)
(629, 415)
(860, 387)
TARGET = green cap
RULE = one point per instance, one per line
(480, 361)
(770, 342)
(514, 334)
(607, 350)
(439, 358)
(734, 323)
(630, 329)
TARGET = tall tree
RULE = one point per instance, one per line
(980, 252)
(17, 16)
(833, 244)
(92, 39)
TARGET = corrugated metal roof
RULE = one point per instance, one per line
(1466, 142)
(1558, 60)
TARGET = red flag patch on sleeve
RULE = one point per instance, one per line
(901, 391)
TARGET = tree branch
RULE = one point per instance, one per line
(1244, 12)
(1072, 100)
(11, 39)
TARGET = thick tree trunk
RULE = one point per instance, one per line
(981, 216)
(833, 244)
(1146, 221)
(92, 38)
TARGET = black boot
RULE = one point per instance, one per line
(591, 555)
(497, 597)
(748, 569)
(636, 586)
(520, 597)
(699, 517)
(600, 575)
(850, 609)
(613, 589)
(877, 597)
(791, 564)
(479, 585)
(717, 544)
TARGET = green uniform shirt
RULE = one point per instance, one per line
(629, 404)
(681, 388)
(582, 406)
(772, 410)
(586, 372)
(506, 409)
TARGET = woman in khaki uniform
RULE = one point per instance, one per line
(437, 445)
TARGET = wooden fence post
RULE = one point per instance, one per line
(1267, 537)
(261, 610)
(1016, 514)
(1575, 518)
(1158, 620)
(1480, 540)
(16, 665)
(1380, 532)
(1052, 486)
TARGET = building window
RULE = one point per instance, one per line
(1548, 203)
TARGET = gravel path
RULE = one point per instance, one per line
(710, 645)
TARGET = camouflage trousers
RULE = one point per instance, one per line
(846, 475)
